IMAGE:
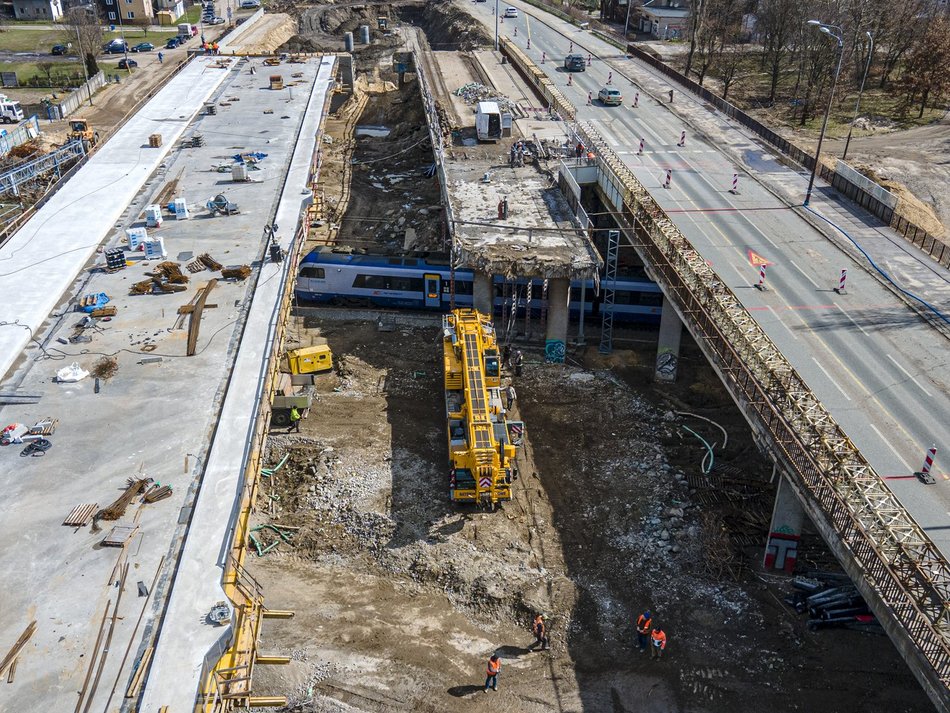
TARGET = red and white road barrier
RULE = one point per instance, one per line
(543, 57)
(682, 141)
(610, 77)
(636, 100)
(590, 99)
(569, 51)
(529, 43)
(640, 150)
(735, 183)
(516, 32)
(669, 179)
(589, 58)
(841, 280)
(570, 80)
(761, 283)
(929, 460)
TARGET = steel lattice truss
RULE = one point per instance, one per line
(897, 557)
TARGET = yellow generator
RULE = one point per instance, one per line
(481, 446)
(308, 360)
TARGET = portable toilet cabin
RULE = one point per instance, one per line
(488, 121)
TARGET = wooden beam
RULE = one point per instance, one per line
(194, 319)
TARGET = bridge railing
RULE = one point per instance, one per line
(895, 556)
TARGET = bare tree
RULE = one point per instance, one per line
(927, 72)
(726, 69)
(83, 24)
(778, 21)
(47, 69)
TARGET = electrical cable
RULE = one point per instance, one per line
(880, 270)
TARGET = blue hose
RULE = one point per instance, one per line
(883, 274)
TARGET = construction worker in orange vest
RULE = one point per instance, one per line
(643, 630)
(659, 643)
(494, 666)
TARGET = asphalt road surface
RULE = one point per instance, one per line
(879, 369)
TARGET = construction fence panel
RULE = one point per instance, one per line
(26, 131)
(75, 99)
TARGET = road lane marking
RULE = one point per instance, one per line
(888, 444)
(779, 321)
(805, 274)
(907, 373)
(848, 316)
(832, 380)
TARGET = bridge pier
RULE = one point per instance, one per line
(781, 550)
(555, 341)
(668, 346)
(483, 293)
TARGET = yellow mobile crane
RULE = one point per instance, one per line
(481, 444)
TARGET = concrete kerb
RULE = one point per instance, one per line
(838, 240)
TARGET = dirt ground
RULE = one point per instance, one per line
(401, 596)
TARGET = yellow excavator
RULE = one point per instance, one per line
(79, 130)
(482, 442)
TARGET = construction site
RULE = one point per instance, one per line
(181, 545)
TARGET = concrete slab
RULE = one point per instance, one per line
(152, 418)
(186, 637)
(42, 259)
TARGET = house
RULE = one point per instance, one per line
(127, 12)
(43, 10)
(664, 23)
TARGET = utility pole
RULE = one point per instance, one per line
(496, 25)
(826, 29)
(857, 105)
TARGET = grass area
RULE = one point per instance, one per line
(192, 15)
(18, 40)
(24, 70)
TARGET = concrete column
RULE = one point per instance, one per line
(559, 293)
(668, 347)
(781, 550)
(483, 293)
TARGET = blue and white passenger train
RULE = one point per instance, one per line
(425, 283)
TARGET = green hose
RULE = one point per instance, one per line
(712, 457)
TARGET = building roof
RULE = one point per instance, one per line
(665, 12)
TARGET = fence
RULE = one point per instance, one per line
(26, 131)
(934, 247)
(75, 99)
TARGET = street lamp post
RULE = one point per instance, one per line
(857, 105)
(828, 30)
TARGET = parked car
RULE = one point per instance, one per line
(117, 47)
(610, 97)
(143, 47)
(172, 43)
(59, 49)
(575, 63)
(247, 4)
(127, 63)
(216, 21)
(511, 12)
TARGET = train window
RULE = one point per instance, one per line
(395, 261)
(371, 282)
(405, 284)
(651, 299)
(312, 273)
(462, 287)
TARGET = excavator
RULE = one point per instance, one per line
(79, 130)
(482, 442)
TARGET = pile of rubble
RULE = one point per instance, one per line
(474, 92)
